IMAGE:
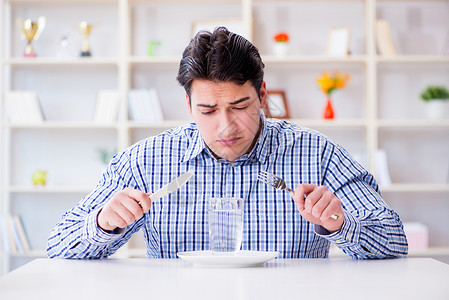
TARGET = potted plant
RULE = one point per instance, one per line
(280, 46)
(435, 98)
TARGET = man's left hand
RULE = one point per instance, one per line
(319, 205)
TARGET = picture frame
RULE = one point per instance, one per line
(276, 105)
(338, 41)
(233, 25)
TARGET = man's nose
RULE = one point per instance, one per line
(228, 124)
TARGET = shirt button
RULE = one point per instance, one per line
(233, 165)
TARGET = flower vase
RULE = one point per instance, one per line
(329, 109)
(280, 48)
(436, 109)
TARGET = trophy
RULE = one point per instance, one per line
(85, 29)
(30, 31)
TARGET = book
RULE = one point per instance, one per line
(22, 234)
(15, 235)
(23, 107)
(156, 105)
(384, 40)
(10, 234)
(361, 158)
(381, 169)
(107, 106)
(144, 105)
(134, 105)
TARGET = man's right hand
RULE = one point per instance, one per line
(123, 209)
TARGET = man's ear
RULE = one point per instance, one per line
(189, 105)
(263, 95)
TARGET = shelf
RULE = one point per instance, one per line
(416, 187)
(158, 125)
(61, 2)
(415, 59)
(330, 123)
(258, 1)
(39, 62)
(62, 125)
(68, 86)
(49, 189)
(412, 123)
(30, 254)
(136, 252)
(271, 59)
(156, 60)
(431, 251)
(302, 122)
(180, 1)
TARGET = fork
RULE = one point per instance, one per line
(279, 184)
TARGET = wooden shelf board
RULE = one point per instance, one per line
(416, 187)
(157, 125)
(412, 123)
(60, 2)
(330, 123)
(431, 251)
(49, 189)
(267, 58)
(62, 125)
(18, 62)
(154, 60)
(414, 59)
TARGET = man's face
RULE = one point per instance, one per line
(227, 115)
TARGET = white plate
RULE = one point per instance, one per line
(243, 258)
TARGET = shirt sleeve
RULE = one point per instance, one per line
(77, 235)
(370, 229)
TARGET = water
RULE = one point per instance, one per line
(225, 230)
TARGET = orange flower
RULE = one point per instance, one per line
(281, 37)
(331, 82)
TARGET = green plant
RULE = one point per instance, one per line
(435, 93)
(105, 155)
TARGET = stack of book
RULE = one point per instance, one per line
(144, 105)
(14, 238)
(108, 103)
(23, 107)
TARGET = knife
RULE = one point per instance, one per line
(171, 186)
(168, 188)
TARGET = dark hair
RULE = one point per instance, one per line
(220, 56)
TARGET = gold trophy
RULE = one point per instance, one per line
(30, 31)
(85, 29)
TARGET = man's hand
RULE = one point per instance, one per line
(123, 209)
(318, 206)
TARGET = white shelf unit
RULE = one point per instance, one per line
(380, 107)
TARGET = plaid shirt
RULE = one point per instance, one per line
(179, 221)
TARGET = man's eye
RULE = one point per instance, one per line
(207, 112)
(241, 108)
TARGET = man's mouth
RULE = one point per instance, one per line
(228, 141)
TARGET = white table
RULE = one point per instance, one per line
(340, 278)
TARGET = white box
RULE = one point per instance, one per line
(417, 236)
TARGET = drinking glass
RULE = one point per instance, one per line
(225, 225)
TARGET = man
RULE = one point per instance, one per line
(226, 147)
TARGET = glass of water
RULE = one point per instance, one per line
(225, 225)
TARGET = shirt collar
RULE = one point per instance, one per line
(196, 145)
(259, 151)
